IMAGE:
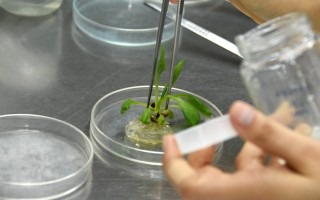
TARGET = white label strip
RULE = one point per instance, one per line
(209, 133)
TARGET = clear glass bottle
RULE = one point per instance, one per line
(282, 66)
(31, 7)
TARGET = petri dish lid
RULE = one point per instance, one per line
(41, 157)
(120, 22)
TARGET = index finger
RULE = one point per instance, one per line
(175, 166)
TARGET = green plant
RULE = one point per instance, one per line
(191, 106)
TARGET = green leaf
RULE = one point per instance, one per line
(190, 113)
(161, 64)
(177, 71)
(198, 104)
(126, 105)
(161, 120)
(146, 116)
(163, 97)
(164, 91)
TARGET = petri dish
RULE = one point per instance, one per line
(107, 125)
(120, 22)
(134, 169)
(30, 8)
(42, 157)
(113, 53)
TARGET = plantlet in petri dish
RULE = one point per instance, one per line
(147, 132)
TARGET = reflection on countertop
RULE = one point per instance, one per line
(25, 65)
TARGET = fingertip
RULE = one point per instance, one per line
(242, 114)
(170, 149)
(304, 129)
(169, 144)
(284, 113)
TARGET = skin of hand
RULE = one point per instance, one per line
(292, 174)
(262, 10)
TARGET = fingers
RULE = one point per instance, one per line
(201, 158)
(284, 113)
(275, 138)
(303, 129)
(175, 166)
(189, 182)
(246, 11)
(250, 157)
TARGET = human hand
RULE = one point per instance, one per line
(262, 10)
(297, 178)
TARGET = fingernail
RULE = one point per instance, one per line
(244, 115)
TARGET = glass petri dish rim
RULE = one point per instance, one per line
(77, 12)
(88, 142)
(95, 107)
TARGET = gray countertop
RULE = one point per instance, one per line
(48, 67)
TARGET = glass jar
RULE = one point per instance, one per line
(30, 7)
(281, 66)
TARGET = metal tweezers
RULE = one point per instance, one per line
(164, 9)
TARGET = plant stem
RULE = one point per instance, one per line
(156, 101)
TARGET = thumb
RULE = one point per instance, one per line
(275, 138)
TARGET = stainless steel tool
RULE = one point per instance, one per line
(201, 31)
(164, 9)
(175, 44)
(178, 19)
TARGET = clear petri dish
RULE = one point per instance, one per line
(120, 22)
(107, 125)
(42, 157)
(30, 8)
(112, 53)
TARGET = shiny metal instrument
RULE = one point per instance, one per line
(201, 31)
(177, 19)
(163, 10)
(175, 44)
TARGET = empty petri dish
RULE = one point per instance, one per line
(120, 22)
(107, 126)
(41, 157)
